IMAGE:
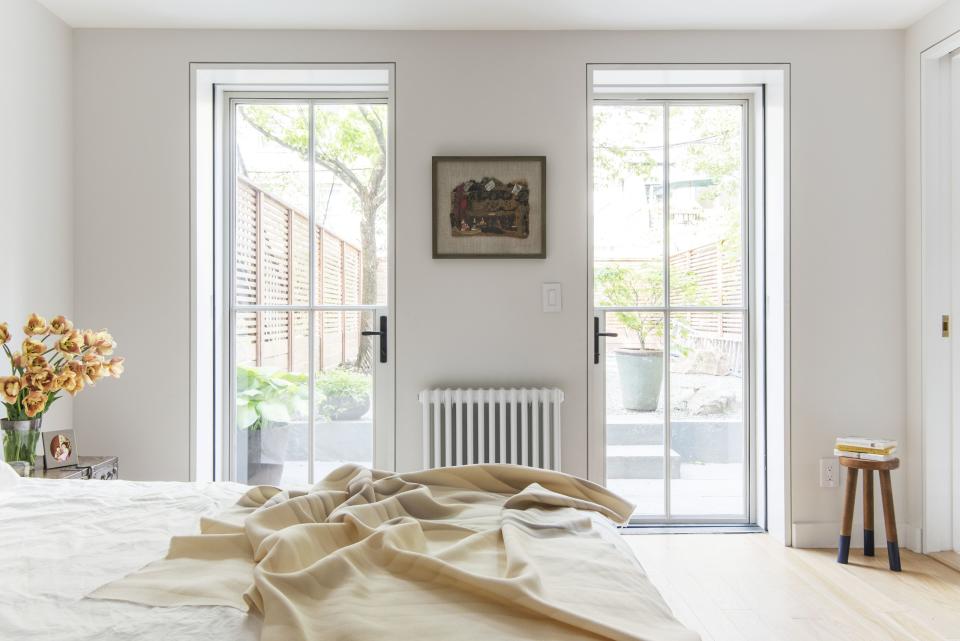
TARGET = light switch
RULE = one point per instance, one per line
(552, 298)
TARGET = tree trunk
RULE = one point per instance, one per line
(368, 289)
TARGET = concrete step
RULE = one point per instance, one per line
(696, 440)
(639, 462)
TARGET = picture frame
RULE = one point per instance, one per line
(59, 448)
(489, 207)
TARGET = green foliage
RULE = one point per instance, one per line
(349, 141)
(344, 383)
(619, 286)
(267, 395)
(619, 137)
(345, 392)
(716, 152)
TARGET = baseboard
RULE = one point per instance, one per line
(824, 534)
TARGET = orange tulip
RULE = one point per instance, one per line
(92, 368)
(9, 389)
(34, 403)
(36, 325)
(115, 367)
(4, 333)
(69, 382)
(60, 325)
(32, 347)
(39, 380)
(71, 344)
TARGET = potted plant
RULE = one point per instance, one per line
(53, 358)
(639, 359)
(346, 394)
(268, 402)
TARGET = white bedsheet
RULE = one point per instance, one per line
(61, 539)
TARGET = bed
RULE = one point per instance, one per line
(62, 542)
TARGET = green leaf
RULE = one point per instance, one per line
(246, 416)
(274, 412)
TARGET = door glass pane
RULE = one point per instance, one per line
(351, 203)
(707, 365)
(706, 204)
(628, 205)
(271, 220)
(277, 253)
(633, 362)
(272, 350)
(343, 431)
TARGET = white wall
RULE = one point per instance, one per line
(847, 221)
(931, 29)
(36, 171)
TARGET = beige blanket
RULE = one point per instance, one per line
(476, 552)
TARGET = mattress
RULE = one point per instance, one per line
(59, 540)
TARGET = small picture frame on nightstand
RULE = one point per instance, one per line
(59, 449)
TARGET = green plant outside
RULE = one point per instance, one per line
(268, 395)
(620, 286)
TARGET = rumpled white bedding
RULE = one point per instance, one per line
(59, 540)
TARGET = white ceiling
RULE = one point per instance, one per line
(493, 14)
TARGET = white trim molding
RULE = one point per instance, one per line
(823, 534)
(940, 295)
(211, 84)
(771, 84)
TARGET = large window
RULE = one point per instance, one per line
(671, 258)
(309, 281)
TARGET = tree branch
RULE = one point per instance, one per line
(342, 171)
(373, 120)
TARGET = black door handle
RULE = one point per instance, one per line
(383, 338)
(596, 339)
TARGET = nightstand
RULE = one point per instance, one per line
(103, 468)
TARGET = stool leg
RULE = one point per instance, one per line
(846, 524)
(889, 520)
(868, 513)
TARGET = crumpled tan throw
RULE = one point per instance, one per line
(493, 552)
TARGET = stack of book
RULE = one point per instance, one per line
(871, 449)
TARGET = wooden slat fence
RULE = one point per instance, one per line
(715, 268)
(272, 268)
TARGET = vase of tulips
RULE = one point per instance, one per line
(54, 358)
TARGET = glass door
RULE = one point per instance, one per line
(671, 318)
(311, 356)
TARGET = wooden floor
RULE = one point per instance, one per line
(747, 587)
(950, 558)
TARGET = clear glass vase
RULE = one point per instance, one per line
(20, 440)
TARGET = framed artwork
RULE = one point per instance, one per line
(59, 449)
(489, 207)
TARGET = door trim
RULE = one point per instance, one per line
(939, 294)
(209, 82)
(771, 84)
(747, 238)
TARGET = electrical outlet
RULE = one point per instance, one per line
(829, 472)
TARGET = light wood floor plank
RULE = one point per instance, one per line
(742, 587)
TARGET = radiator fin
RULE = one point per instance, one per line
(487, 425)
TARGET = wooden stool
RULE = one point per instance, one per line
(853, 466)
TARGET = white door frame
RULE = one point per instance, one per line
(940, 294)
(747, 102)
(209, 349)
(774, 502)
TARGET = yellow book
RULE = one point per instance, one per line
(865, 450)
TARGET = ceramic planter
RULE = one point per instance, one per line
(641, 376)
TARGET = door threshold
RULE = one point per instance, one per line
(691, 528)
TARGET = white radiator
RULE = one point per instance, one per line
(517, 425)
